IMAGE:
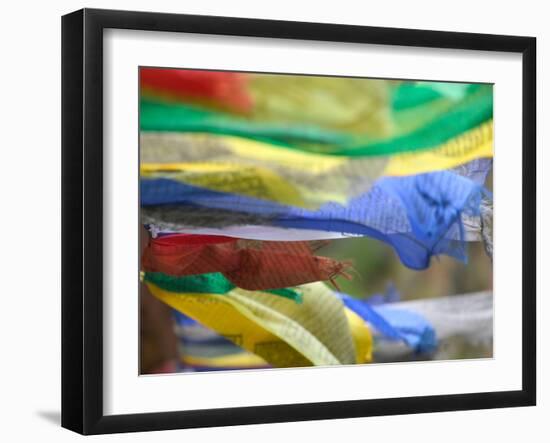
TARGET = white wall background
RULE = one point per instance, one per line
(30, 222)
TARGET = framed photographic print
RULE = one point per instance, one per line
(268, 221)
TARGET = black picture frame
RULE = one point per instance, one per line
(82, 220)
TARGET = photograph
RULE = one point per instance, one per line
(292, 220)
(274, 220)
